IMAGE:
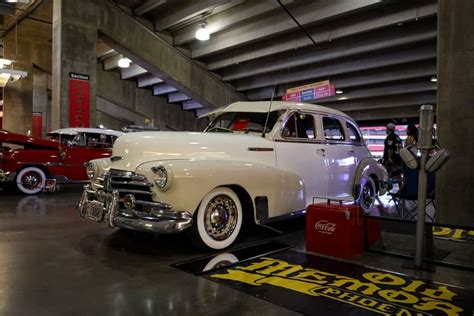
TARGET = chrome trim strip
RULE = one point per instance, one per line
(136, 192)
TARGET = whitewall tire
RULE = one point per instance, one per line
(368, 193)
(218, 220)
(30, 180)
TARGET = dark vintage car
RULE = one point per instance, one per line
(29, 161)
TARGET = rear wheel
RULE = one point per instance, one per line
(30, 180)
(218, 220)
(368, 193)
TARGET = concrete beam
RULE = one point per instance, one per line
(111, 62)
(177, 97)
(131, 72)
(147, 81)
(103, 49)
(188, 10)
(322, 72)
(382, 114)
(161, 59)
(307, 12)
(363, 22)
(224, 20)
(148, 6)
(163, 88)
(364, 43)
(383, 102)
(366, 77)
(191, 105)
(202, 111)
(120, 112)
(391, 89)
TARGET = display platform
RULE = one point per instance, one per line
(311, 284)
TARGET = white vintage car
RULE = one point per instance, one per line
(259, 160)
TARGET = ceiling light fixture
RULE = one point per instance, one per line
(202, 33)
(124, 62)
(339, 91)
(434, 79)
(5, 62)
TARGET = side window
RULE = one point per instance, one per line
(299, 125)
(332, 129)
(354, 134)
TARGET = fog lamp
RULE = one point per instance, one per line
(129, 201)
(91, 169)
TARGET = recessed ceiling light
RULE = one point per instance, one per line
(124, 62)
(434, 79)
(339, 91)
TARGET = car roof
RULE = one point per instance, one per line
(265, 106)
(76, 130)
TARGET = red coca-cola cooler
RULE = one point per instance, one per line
(335, 230)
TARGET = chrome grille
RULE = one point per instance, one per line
(127, 182)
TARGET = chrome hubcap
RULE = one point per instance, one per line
(31, 180)
(368, 195)
(220, 217)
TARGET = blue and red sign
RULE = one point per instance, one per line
(310, 92)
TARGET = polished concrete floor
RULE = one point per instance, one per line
(54, 263)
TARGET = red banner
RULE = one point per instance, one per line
(79, 100)
(37, 126)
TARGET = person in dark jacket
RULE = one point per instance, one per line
(391, 151)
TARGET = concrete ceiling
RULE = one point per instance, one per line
(382, 54)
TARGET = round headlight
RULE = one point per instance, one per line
(91, 169)
(162, 177)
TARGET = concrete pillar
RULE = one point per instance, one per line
(74, 50)
(455, 116)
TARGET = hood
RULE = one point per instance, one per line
(134, 149)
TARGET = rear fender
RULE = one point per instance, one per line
(369, 167)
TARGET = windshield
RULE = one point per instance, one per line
(243, 122)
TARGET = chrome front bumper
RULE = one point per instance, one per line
(7, 176)
(100, 206)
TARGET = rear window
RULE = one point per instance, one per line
(333, 129)
(354, 134)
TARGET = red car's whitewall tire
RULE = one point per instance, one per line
(30, 180)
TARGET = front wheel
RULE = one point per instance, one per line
(30, 180)
(368, 193)
(218, 220)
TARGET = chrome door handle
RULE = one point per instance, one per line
(321, 151)
(350, 152)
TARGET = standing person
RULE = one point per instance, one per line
(391, 151)
(412, 135)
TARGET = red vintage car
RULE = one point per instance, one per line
(30, 162)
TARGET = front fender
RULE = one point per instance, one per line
(370, 167)
(194, 179)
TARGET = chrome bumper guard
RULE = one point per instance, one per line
(100, 206)
(7, 176)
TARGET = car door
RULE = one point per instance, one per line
(300, 153)
(84, 148)
(341, 159)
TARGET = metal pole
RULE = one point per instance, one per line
(424, 144)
